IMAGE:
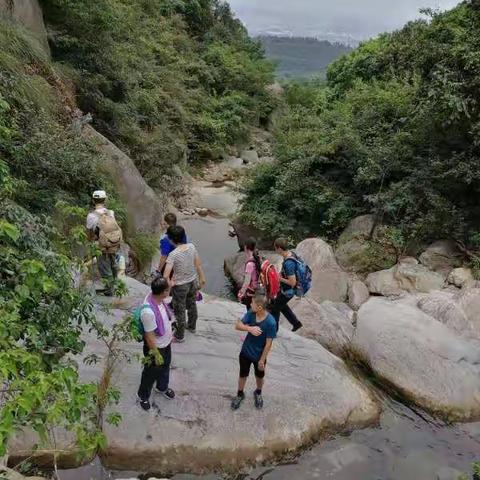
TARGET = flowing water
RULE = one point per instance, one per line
(406, 445)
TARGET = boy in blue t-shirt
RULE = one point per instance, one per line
(262, 329)
(166, 245)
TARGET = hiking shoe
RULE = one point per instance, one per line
(168, 393)
(145, 404)
(237, 401)
(297, 327)
(192, 330)
(178, 340)
(258, 400)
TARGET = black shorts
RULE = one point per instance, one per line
(245, 364)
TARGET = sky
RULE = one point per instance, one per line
(335, 20)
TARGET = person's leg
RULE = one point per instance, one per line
(245, 364)
(179, 300)
(114, 260)
(259, 378)
(191, 304)
(163, 373)
(149, 376)
(277, 307)
(290, 316)
(105, 269)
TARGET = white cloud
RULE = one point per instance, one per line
(356, 18)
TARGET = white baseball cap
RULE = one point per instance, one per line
(99, 195)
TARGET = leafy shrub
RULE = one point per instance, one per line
(394, 132)
(165, 80)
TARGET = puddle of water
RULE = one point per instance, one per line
(210, 236)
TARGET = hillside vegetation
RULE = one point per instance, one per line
(44, 167)
(166, 80)
(394, 132)
(298, 57)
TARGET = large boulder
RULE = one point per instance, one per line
(442, 256)
(460, 311)
(461, 277)
(329, 281)
(244, 232)
(422, 358)
(144, 207)
(407, 276)
(308, 391)
(358, 294)
(359, 227)
(29, 14)
(235, 265)
(330, 324)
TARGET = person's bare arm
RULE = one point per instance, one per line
(150, 340)
(152, 348)
(246, 284)
(167, 272)
(199, 268)
(241, 327)
(266, 351)
(291, 281)
(162, 262)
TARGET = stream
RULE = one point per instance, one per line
(406, 445)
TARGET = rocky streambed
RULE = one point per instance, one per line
(322, 418)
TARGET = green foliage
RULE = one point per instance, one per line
(394, 132)
(43, 163)
(166, 80)
(145, 247)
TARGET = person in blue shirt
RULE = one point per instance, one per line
(261, 330)
(288, 283)
(166, 245)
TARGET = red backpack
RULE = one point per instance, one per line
(270, 279)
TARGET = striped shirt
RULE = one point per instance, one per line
(182, 259)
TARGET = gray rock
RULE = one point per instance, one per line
(358, 294)
(327, 323)
(29, 14)
(406, 276)
(461, 277)
(144, 207)
(359, 227)
(459, 311)
(329, 282)
(308, 390)
(235, 265)
(442, 256)
(425, 360)
(250, 156)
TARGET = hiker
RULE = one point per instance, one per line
(253, 267)
(156, 322)
(103, 228)
(288, 285)
(166, 246)
(188, 279)
(261, 329)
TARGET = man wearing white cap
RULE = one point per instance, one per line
(103, 228)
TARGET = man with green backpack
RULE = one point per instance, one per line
(153, 325)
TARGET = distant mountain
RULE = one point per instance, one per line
(300, 57)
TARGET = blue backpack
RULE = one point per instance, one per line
(303, 274)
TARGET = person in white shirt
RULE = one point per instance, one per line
(103, 228)
(157, 326)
